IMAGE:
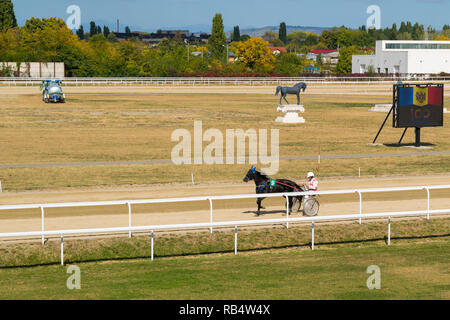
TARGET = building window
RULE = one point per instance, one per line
(396, 69)
(434, 46)
(362, 68)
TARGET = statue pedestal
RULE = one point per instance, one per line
(291, 113)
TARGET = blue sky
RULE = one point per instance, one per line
(153, 14)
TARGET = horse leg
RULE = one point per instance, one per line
(298, 98)
(258, 202)
(291, 202)
(284, 97)
(299, 199)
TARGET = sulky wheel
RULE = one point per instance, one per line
(311, 207)
(296, 204)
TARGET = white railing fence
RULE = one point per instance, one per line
(210, 225)
(207, 81)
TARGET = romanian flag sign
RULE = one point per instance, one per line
(418, 105)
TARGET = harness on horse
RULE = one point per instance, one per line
(273, 183)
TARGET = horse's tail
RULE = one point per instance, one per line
(278, 90)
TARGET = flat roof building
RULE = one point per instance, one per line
(406, 57)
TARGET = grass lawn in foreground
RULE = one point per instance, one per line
(272, 263)
(408, 271)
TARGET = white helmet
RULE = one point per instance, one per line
(310, 175)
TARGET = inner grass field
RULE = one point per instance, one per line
(138, 126)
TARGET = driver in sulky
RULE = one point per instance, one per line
(312, 184)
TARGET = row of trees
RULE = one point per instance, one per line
(98, 53)
(342, 37)
(101, 55)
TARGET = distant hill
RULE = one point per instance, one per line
(259, 32)
(205, 28)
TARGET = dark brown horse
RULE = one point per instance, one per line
(264, 184)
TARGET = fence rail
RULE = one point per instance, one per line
(212, 224)
(155, 81)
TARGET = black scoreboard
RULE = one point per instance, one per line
(420, 105)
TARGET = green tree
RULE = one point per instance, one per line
(93, 29)
(319, 61)
(236, 34)
(80, 33)
(311, 39)
(402, 28)
(329, 38)
(106, 31)
(127, 30)
(270, 35)
(404, 36)
(394, 32)
(99, 30)
(254, 54)
(245, 37)
(282, 34)
(217, 42)
(370, 71)
(50, 40)
(344, 64)
(290, 64)
(112, 37)
(7, 16)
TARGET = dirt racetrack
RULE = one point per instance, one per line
(366, 89)
(117, 216)
(192, 212)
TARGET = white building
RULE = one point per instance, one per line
(398, 56)
(36, 69)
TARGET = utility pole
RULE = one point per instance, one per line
(185, 41)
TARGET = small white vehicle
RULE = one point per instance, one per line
(52, 91)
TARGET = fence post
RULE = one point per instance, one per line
(62, 249)
(360, 206)
(428, 203)
(129, 219)
(210, 215)
(152, 245)
(42, 225)
(287, 212)
(312, 236)
(235, 240)
(389, 231)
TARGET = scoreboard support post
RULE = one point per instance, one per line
(417, 131)
(382, 126)
(403, 134)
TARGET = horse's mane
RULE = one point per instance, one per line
(263, 175)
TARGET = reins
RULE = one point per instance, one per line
(286, 185)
